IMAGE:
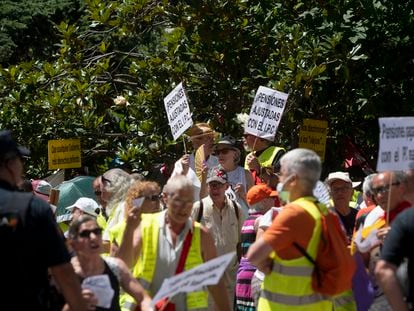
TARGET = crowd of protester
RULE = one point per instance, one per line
(136, 233)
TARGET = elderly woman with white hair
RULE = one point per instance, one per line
(114, 186)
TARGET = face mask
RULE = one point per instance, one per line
(283, 194)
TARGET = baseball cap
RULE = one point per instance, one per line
(259, 192)
(86, 205)
(217, 174)
(41, 189)
(7, 144)
(344, 176)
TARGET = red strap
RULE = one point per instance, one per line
(184, 252)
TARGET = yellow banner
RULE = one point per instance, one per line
(312, 136)
(65, 153)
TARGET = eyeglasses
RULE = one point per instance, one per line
(384, 189)
(87, 233)
(154, 197)
(177, 201)
(341, 189)
(223, 151)
(215, 185)
(98, 193)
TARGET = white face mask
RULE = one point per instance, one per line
(283, 194)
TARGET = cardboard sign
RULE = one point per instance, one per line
(396, 145)
(266, 112)
(65, 153)
(178, 111)
(312, 136)
(193, 280)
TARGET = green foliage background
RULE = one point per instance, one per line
(64, 62)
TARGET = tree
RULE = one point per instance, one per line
(347, 62)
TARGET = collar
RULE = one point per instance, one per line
(398, 209)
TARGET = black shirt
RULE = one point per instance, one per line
(349, 221)
(28, 249)
(398, 245)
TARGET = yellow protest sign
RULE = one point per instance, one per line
(65, 153)
(312, 136)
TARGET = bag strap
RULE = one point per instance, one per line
(200, 211)
(184, 251)
(236, 209)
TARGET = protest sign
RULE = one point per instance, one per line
(178, 111)
(65, 153)
(193, 280)
(266, 112)
(396, 147)
(100, 285)
(312, 136)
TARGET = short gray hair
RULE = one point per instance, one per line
(304, 163)
(400, 177)
(367, 185)
(177, 183)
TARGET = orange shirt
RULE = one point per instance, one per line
(292, 224)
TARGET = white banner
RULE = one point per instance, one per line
(396, 146)
(178, 111)
(266, 112)
(193, 280)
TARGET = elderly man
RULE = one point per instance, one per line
(30, 242)
(389, 190)
(154, 246)
(299, 222)
(224, 218)
(200, 134)
(341, 189)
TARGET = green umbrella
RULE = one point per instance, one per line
(73, 189)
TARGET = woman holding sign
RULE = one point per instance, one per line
(103, 277)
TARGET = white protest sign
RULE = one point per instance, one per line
(178, 111)
(396, 145)
(101, 287)
(193, 280)
(266, 112)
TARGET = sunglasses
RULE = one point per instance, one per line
(154, 197)
(98, 193)
(87, 233)
(383, 189)
(223, 151)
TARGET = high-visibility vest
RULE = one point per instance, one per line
(266, 157)
(146, 265)
(289, 285)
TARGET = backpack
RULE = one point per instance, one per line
(201, 210)
(334, 265)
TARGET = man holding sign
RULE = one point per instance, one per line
(260, 130)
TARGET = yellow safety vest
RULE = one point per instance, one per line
(266, 157)
(145, 267)
(289, 285)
